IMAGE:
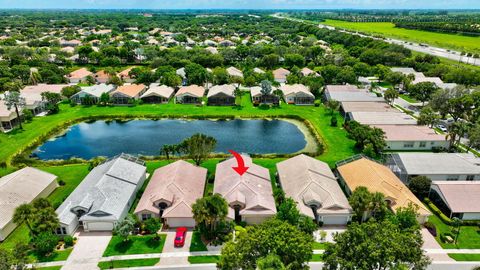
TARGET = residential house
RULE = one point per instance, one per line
(342, 88)
(412, 137)
(171, 192)
(313, 186)
(297, 94)
(436, 166)
(125, 75)
(381, 118)
(258, 70)
(101, 77)
(280, 75)
(357, 96)
(249, 196)
(104, 197)
(17, 188)
(305, 72)
(221, 95)
(157, 93)
(70, 43)
(126, 93)
(349, 107)
(458, 199)
(92, 94)
(212, 50)
(8, 117)
(234, 72)
(33, 95)
(79, 75)
(192, 94)
(259, 98)
(361, 171)
(181, 72)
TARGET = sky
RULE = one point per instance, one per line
(241, 4)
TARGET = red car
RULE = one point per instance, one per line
(180, 237)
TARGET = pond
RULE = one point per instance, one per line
(146, 137)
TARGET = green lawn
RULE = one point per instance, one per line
(128, 263)
(135, 245)
(387, 29)
(465, 257)
(203, 259)
(197, 243)
(317, 258)
(469, 235)
(57, 255)
(318, 245)
(408, 98)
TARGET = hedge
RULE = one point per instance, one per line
(446, 219)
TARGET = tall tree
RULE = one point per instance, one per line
(198, 147)
(422, 91)
(270, 262)
(209, 211)
(13, 99)
(428, 117)
(390, 95)
(266, 88)
(420, 186)
(125, 228)
(333, 106)
(360, 202)
(24, 213)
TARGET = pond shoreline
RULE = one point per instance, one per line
(314, 144)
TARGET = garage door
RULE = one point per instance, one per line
(100, 226)
(335, 220)
(181, 222)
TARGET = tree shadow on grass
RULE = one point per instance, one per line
(153, 243)
(123, 246)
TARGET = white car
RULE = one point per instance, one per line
(442, 128)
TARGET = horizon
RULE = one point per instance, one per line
(240, 5)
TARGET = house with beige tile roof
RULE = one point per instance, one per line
(234, 72)
(460, 199)
(280, 75)
(79, 75)
(313, 186)
(308, 72)
(361, 171)
(8, 117)
(412, 137)
(126, 93)
(101, 76)
(249, 196)
(33, 95)
(125, 76)
(297, 94)
(221, 95)
(171, 192)
(192, 94)
(157, 93)
(22, 186)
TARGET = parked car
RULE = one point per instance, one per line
(442, 128)
(180, 237)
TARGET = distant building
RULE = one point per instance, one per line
(126, 93)
(192, 94)
(79, 75)
(412, 137)
(221, 95)
(158, 94)
(280, 75)
(457, 199)
(259, 98)
(92, 94)
(297, 94)
(8, 117)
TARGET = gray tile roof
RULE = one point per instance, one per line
(106, 189)
(440, 163)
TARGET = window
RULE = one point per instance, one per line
(61, 230)
(408, 145)
(146, 216)
(452, 178)
(423, 144)
(470, 177)
(64, 230)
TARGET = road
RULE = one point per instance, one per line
(427, 49)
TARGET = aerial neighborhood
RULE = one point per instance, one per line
(243, 140)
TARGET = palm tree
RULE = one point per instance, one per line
(34, 78)
(13, 99)
(166, 150)
(24, 213)
(333, 105)
(378, 206)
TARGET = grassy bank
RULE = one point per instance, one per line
(463, 257)
(387, 29)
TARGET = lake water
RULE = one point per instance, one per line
(146, 137)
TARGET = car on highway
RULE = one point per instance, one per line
(180, 235)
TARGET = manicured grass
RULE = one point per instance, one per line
(135, 245)
(128, 263)
(469, 235)
(465, 257)
(408, 98)
(203, 259)
(387, 29)
(72, 175)
(49, 268)
(316, 258)
(197, 243)
(57, 255)
(318, 245)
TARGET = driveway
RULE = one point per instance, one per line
(429, 242)
(88, 250)
(170, 248)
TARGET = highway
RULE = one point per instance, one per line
(422, 48)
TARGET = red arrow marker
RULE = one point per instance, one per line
(240, 169)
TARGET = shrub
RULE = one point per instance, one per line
(333, 121)
(431, 228)
(68, 241)
(45, 243)
(317, 103)
(61, 182)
